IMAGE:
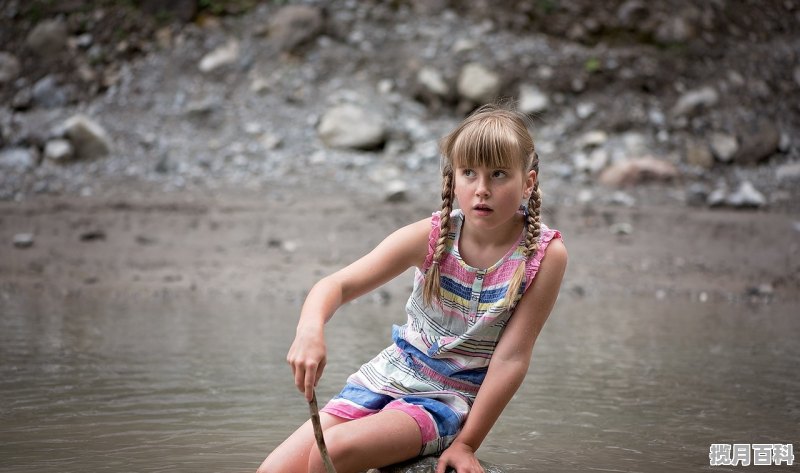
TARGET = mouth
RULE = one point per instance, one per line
(482, 208)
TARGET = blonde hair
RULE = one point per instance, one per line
(494, 137)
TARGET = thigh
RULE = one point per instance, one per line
(370, 442)
(292, 454)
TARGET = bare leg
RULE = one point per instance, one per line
(292, 455)
(378, 440)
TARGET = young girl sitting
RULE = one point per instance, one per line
(487, 276)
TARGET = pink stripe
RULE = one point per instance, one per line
(430, 373)
(427, 426)
(346, 410)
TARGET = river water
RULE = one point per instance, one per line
(199, 383)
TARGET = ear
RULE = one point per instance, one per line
(530, 181)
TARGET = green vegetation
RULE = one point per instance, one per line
(592, 65)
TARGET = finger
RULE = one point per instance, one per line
(319, 373)
(299, 377)
(310, 380)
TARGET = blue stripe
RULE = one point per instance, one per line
(493, 295)
(454, 287)
(363, 396)
(444, 368)
(447, 422)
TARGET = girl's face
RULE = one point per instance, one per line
(490, 197)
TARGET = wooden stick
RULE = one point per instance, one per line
(323, 450)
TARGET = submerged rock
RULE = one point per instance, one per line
(427, 465)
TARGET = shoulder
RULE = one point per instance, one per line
(551, 253)
(414, 240)
(555, 255)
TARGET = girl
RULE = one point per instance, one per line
(487, 277)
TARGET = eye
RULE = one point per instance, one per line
(499, 174)
(468, 172)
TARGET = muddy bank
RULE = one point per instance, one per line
(279, 242)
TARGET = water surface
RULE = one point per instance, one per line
(198, 383)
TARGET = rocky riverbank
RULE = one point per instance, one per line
(633, 104)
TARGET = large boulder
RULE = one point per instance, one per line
(294, 26)
(638, 170)
(88, 138)
(478, 84)
(351, 126)
(48, 38)
(9, 67)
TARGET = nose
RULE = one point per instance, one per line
(482, 189)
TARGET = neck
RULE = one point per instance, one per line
(504, 235)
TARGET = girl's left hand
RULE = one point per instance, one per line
(461, 457)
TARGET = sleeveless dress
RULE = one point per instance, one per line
(440, 356)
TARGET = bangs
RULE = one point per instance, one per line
(487, 143)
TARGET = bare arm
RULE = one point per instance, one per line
(509, 363)
(402, 249)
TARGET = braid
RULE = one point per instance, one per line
(432, 289)
(531, 243)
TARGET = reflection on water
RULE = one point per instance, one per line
(184, 383)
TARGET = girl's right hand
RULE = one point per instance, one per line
(307, 357)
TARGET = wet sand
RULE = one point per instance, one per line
(280, 242)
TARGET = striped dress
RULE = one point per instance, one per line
(440, 356)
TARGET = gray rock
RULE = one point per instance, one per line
(427, 465)
(674, 29)
(532, 99)
(718, 196)
(396, 191)
(632, 13)
(58, 150)
(785, 143)
(9, 67)
(294, 26)
(592, 138)
(698, 154)
(47, 93)
(723, 146)
(621, 198)
(221, 56)
(758, 141)
(432, 81)
(89, 139)
(478, 84)
(585, 110)
(693, 100)
(621, 228)
(796, 75)
(746, 196)
(23, 240)
(350, 126)
(788, 172)
(697, 194)
(18, 159)
(592, 163)
(48, 38)
(23, 99)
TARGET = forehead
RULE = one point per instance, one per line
(496, 151)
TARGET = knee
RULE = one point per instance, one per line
(276, 463)
(339, 449)
(267, 466)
